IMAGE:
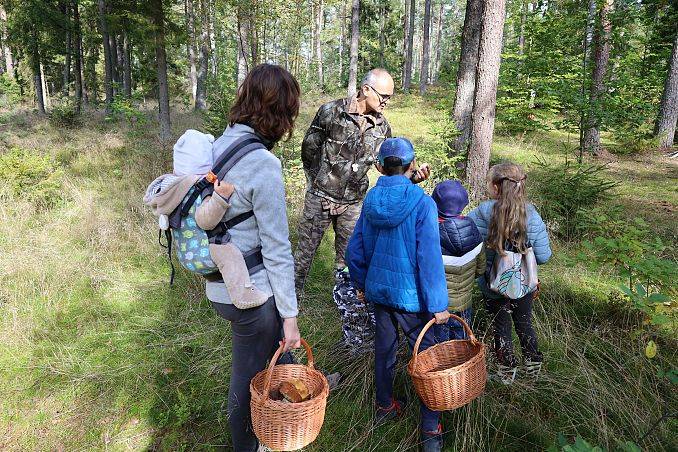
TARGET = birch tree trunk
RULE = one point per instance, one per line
(668, 109)
(406, 38)
(466, 74)
(318, 46)
(485, 100)
(521, 36)
(108, 65)
(126, 65)
(244, 48)
(407, 79)
(601, 40)
(355, 37)
(426, 48)
(161, 61)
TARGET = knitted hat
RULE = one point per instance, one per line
(193, 153)
(396, 147)
(450, 197)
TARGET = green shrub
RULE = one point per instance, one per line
(564, 191)
(33, 176)
(124, 108)
(64, 115)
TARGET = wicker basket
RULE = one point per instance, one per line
(450, 374)
(282, 425)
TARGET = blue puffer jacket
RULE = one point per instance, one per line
(458, 236)
(394, 252)
(537, 238)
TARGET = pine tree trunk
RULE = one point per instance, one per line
(190, 45)
(355, 37)
(466, 73)
(67, 57)
(601, 59)
(342, 39)
(318, 46)
(407, 79)
(406, 37)
(485, 99)
(521, 36)
(37, 72)
(439, 40)
(161, 61)
(244, 50)
(77, 27)
(382, 38)
(126, 65)
(108, 64)
(426, 48)
(9, 61)
(668, 109)
(203, 59)
(211, 35)
(115, 72)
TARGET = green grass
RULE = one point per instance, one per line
(99, 353)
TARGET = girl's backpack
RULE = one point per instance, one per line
(514, 275)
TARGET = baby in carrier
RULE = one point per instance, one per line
(192, 161)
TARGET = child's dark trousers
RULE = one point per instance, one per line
(385, 347)
(501, 312)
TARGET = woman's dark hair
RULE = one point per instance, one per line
(267, 101)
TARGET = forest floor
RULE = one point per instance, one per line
(99, 352)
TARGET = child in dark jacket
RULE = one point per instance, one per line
(463, 255)
(509, 223)
(394, 260)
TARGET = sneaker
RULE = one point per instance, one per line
(390, 413)
(506, 375)
(432, 441)
(532, 369)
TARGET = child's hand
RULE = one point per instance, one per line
(423, 173)
(224, 189)
(442, 317)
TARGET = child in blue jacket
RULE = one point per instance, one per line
(509, 222)
(395, 261)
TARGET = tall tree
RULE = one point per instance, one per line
(668, 109)
(77, 29)
(158, 18)
(485, 99)
(203, 69)
(466, 73)
(426, 44)
(355, 37)
(521, 35)
(108, 63)
(318, 47)
(439, 41)
(36, 66)
(342, 39)
(601, 58)
(69, 51)
(244, 44)
(407, 78)
(126, 55)
(189, 12)
(9, 61)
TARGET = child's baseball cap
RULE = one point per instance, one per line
(396, 147)
(450, 197)
(193, 153)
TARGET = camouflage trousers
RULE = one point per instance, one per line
(357, 317)
(316, 218)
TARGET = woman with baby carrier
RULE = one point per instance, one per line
(264, 112)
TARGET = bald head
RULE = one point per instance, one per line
(376, 88)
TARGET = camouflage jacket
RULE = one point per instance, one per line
(339, 148)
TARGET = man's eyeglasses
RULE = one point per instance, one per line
(383, 98)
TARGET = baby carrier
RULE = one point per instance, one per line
(190, 241)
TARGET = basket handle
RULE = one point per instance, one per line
(269, 372)
(430, 323)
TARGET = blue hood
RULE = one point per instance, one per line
(391, 201)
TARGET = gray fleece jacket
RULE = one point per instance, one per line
(259, 187)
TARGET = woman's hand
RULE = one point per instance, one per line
(223, 189)
(291, 334)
